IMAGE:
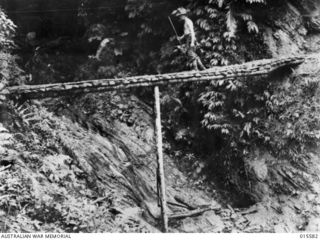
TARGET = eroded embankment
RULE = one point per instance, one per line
(59, 176)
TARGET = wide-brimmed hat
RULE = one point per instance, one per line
(179, 12)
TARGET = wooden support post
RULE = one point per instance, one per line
(162, 195)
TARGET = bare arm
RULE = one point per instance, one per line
(193, 40)
(103, 44)
(181, 37)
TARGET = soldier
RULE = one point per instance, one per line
(190, 39)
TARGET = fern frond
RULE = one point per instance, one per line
(231, 23)
(252, 27)
(23, 115)
(203, 23)
(220, 3)
(246, 17)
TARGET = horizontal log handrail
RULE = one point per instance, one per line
(254, 68)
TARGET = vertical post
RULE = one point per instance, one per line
(162, 186)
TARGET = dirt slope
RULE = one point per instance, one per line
(84, 180)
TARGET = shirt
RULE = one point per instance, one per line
(189, 30)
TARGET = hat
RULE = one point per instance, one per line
(179, 12)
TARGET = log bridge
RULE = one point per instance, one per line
(256, 68)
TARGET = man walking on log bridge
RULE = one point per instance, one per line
(190, 39)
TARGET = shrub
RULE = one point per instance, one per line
(9, 70)
(281, 117)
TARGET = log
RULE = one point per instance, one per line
(249, 211)
(288, 179)
(255, 68)
(193, 212)
(161, 184)
(2, 169)
(100, 199)
(182, 201)
(177, 205)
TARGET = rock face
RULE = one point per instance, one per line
(287, 36)
(310, 10)
(293, 26)
(296, 32)
(307, 7)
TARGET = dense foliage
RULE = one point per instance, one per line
(9, 71)
(219, 27)
(280, 117)
(7, 29)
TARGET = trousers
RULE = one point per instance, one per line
(194, 61)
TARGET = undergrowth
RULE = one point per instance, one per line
(44, 187)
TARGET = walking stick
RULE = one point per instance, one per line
(174, 29)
